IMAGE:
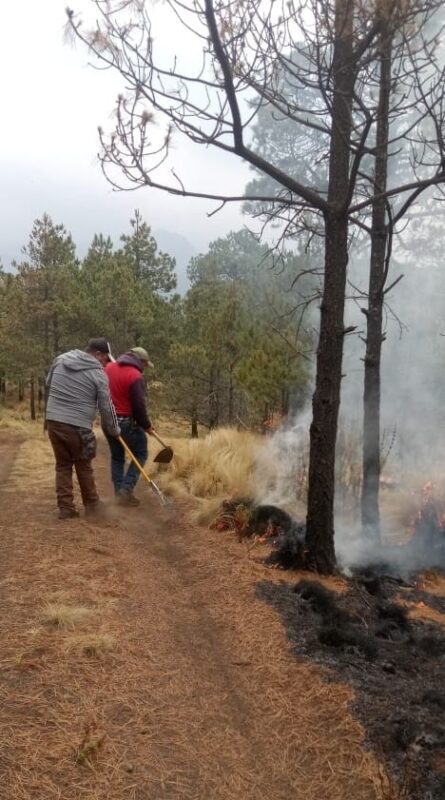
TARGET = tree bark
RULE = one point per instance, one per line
(285, 401)
(374, 313)
(194, 422)
(326, 399)
(32, 398)
(231, 396)
(40, 393)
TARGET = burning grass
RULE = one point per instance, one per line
(228, 463)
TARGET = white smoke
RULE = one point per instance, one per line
(281, 468)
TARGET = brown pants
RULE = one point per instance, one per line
(68, 450)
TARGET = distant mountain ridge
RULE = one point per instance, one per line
(178, 246)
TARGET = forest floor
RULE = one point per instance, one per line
(138, 660)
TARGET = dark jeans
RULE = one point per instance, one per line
(136, 440)
(69, 450)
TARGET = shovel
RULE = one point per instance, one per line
(164, 456)
(164, 501)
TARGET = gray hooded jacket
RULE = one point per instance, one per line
(77, 387)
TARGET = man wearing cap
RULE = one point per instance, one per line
(127, 390)
(76, 387)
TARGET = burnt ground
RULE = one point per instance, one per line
(369, 637)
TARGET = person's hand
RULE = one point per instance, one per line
(150, 431)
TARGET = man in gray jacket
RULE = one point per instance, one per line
(76, 388)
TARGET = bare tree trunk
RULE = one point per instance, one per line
(21, 390)
(46, 343)
(32, 397)
(231, 396)
(40, 394)
(285, 401)
(374, 312)
(326, 399)
(194, 421)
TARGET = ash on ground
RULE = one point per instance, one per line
(395, 664)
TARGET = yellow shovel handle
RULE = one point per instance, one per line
(135, 461)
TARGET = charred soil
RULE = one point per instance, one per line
(377, 635)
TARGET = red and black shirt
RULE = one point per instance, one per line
(127, 389)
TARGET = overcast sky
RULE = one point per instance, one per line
(52, 103)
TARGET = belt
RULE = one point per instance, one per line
(122, 419)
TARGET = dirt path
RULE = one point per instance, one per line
(137, 664)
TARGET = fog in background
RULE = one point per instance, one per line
(413, 355)
(53, 102)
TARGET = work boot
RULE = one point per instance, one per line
(126, 498)
(67, 513)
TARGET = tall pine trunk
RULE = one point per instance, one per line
(230, 412)
(284, 401)
(326, 399)
(41, 382)
(194, 421)
(32, 397)
(374, 312)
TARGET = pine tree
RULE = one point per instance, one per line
(151, 267)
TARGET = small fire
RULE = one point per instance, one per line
(430, 518)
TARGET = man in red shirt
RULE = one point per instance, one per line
(127, 389)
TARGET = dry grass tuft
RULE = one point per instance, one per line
(205, 510)
(220, 465)
(92, 645)
(91, 743)
(60, 615)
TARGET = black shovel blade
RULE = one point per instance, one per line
(164, 456)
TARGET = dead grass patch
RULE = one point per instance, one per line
(35, 467)
(60, 615)
(205, 510)
(425, 612)
(92, 645)
(91, 743)
(220, 464)
(18, 420)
